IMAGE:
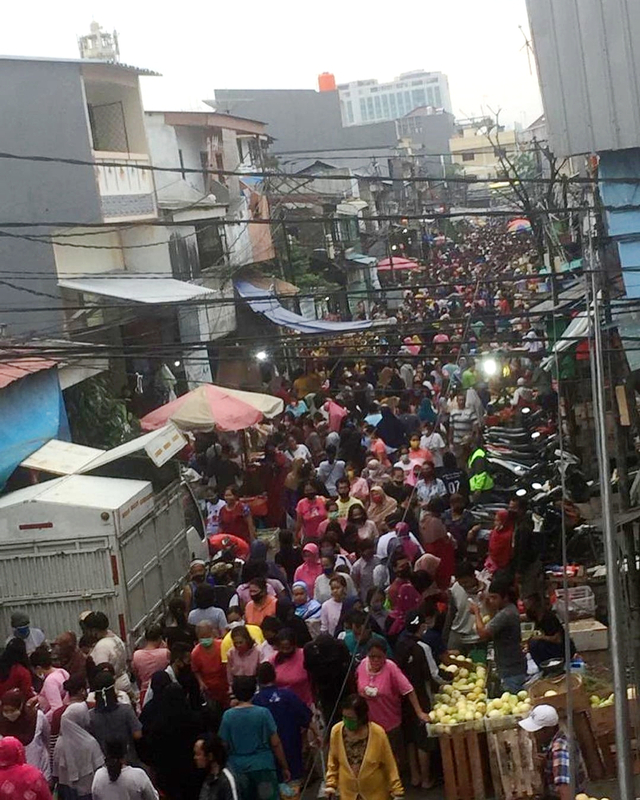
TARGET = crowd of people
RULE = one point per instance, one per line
(318, 650)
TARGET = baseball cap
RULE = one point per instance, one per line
(539, 718)
(19, 619)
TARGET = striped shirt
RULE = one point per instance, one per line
(462, 421)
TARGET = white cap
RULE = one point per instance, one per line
(541, 717)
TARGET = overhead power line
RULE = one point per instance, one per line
(305, 175)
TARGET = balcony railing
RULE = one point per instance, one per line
(126, 191)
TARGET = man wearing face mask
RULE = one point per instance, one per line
(208, 667)
(345, 501)
(396, 487)
(32, 637)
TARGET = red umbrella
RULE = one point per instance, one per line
(211, 406)
(399, 263)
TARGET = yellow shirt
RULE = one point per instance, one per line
(345, 505)
(254, 631)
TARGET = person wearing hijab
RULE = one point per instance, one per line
(170, 738)
(408, 542)
(501, 541)
(311, 567)
(29, 726)
(391, 430)
(67, 655)
(111, 719)
(305, 606)
(436, 540)
(375, 473)
(285, 612)
(77, 755)
(19, 780)
(15, 672)
(381, 506)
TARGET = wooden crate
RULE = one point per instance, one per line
(512, 756)
(464, 763)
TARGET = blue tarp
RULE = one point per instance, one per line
(32, 412)
(624, 225)
(262, 301)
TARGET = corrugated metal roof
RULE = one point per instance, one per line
(138, 289)
(17, 368)
(588, 56)
(98, 61)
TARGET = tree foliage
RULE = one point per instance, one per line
(97, 418)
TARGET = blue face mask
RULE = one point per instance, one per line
(22, 633)
(328, 570)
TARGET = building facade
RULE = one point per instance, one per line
(367, 101)
(477, 146)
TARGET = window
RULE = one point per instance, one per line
(378, 106)
(392, 105)
(438, 96)
(385, 105)
(400, 99)
(418, 97)
(468, 156)
(499, 152)
(416, 83)
(349, 112)
(431, 101)
(370, 107)
(407, 102)
(363, 109)
(212, 245)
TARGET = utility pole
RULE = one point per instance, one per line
(614, 568)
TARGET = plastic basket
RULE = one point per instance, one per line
(582, 603)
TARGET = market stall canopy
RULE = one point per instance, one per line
(67, 458)
(577, 329)
(263, 302)
(399, 263)
(139, 289)
(518, 225)
(211, 406)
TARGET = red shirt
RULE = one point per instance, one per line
(207, 663)
(313, 512)
(234, 521)
(19, 678)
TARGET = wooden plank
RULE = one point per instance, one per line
(494, 763)
(477, 765)
(448, 768)
(521, 779)
(465, 788)
(591, 746)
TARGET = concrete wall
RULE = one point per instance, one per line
(43, 113)
(79, 261)
(153, 256)
(302, 119)
(165, 142)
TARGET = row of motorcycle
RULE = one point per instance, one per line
(530, 459)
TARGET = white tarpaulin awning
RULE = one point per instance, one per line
(578, 328)
(67, 458)
(140, 289)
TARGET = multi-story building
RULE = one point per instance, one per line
(363, 102)
(478, 145)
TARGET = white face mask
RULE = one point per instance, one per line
(12, 716)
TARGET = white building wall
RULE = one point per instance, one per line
(76, 261)
(153, 256)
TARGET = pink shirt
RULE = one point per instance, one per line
(52, 695)
(146, 662)
(291, 674)
(383, 692)
(312, 513)
(330, 616)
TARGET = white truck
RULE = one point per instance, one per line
(83, 542)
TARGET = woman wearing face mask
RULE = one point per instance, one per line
(310, 512)
(244, 656)
(311, 567)
(383, 685)
(361, 761)
(381, 506)
(307, 608)
(418, 454)
(29, 726)
(366, 529)
(261, 604)
(429, 486)
(322, 590)
(332, 608)
(288, 663)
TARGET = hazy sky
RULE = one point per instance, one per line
(204, 44)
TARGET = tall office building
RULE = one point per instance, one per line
(363, 102)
